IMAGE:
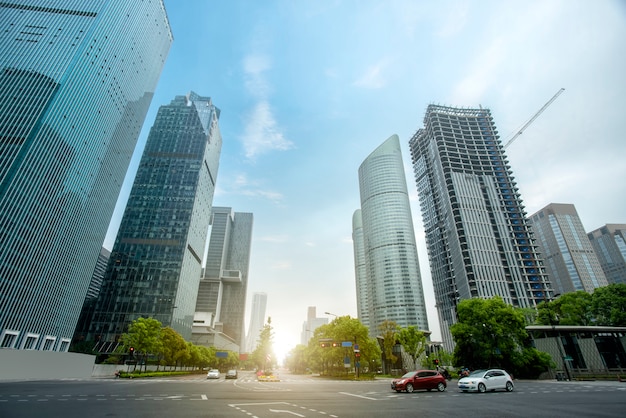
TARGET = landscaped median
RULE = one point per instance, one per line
(267, 377)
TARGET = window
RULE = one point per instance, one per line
(9, 339)
(48, 344)
(31, 341)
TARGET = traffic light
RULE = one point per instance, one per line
(336, 344)
(131, 351)
(437, 362)
(324, 345)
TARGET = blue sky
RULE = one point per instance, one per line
(308, 89)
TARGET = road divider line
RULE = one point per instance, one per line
(358, 396)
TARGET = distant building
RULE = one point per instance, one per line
(92, 294)
(257, 321)
(569, 258)
(223, 288)
(609, 243)
(479, 242)
(392, 273)
(76, 81)
(310, 325)
(156, 262)
(360, 272)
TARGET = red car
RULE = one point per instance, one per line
(420, 379)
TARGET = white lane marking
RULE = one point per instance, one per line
(358, 396)
(280, 411)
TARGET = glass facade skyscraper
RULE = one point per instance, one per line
(76, 81)
(479, 242)
(156, 261)
(609, 243)
(257, 320)
(392, 274)
(569, 258)
(224, 286)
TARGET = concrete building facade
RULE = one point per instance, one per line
(479, 243)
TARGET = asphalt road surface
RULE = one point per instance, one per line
(300, 396)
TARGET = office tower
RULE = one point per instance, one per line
(257, 320)
(92, 296)
(76, 81)
(156, 260)
(362, 300)
(479, 243)
(394, 284)
(569, 258)
(310, 325)
(223, 288)
(609, 243)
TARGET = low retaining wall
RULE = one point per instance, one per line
(31, 364)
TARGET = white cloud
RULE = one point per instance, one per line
(243, 187)
(262, 134)
(373, 77)
(254, 66)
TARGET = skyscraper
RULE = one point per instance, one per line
(479, 243)
(394, 284)
(156, 261)
(224, 286)
(609, 243)
(257, 320)
(76, 81)
(360, 272)
(311, 324)
(569, 258)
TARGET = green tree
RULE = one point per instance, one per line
(413, 342)
(173, 347)
(144, 335)
(608, 305)
(263, 354)
(389, 333)
(297, 359)
(569, 309)
(330, 359)
(490, 333)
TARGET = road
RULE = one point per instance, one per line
(299, 396)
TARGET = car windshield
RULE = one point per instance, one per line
(478, 373)
(409, 374)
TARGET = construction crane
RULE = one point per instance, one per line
(535, 116)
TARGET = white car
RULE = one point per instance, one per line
(213, 374)
(484, 380)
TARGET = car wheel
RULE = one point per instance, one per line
(509, 387)
(441, 387)
(482, 388)
(398, 391)
(409, 388)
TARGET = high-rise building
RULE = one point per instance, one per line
(156, 261)
(569, 258)
(310, 325)
(92, 296)
(362, 299)
(392, 273)
(76, 81)
(257, 320)
(609, 243)
(224, 286)
(479, 243)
